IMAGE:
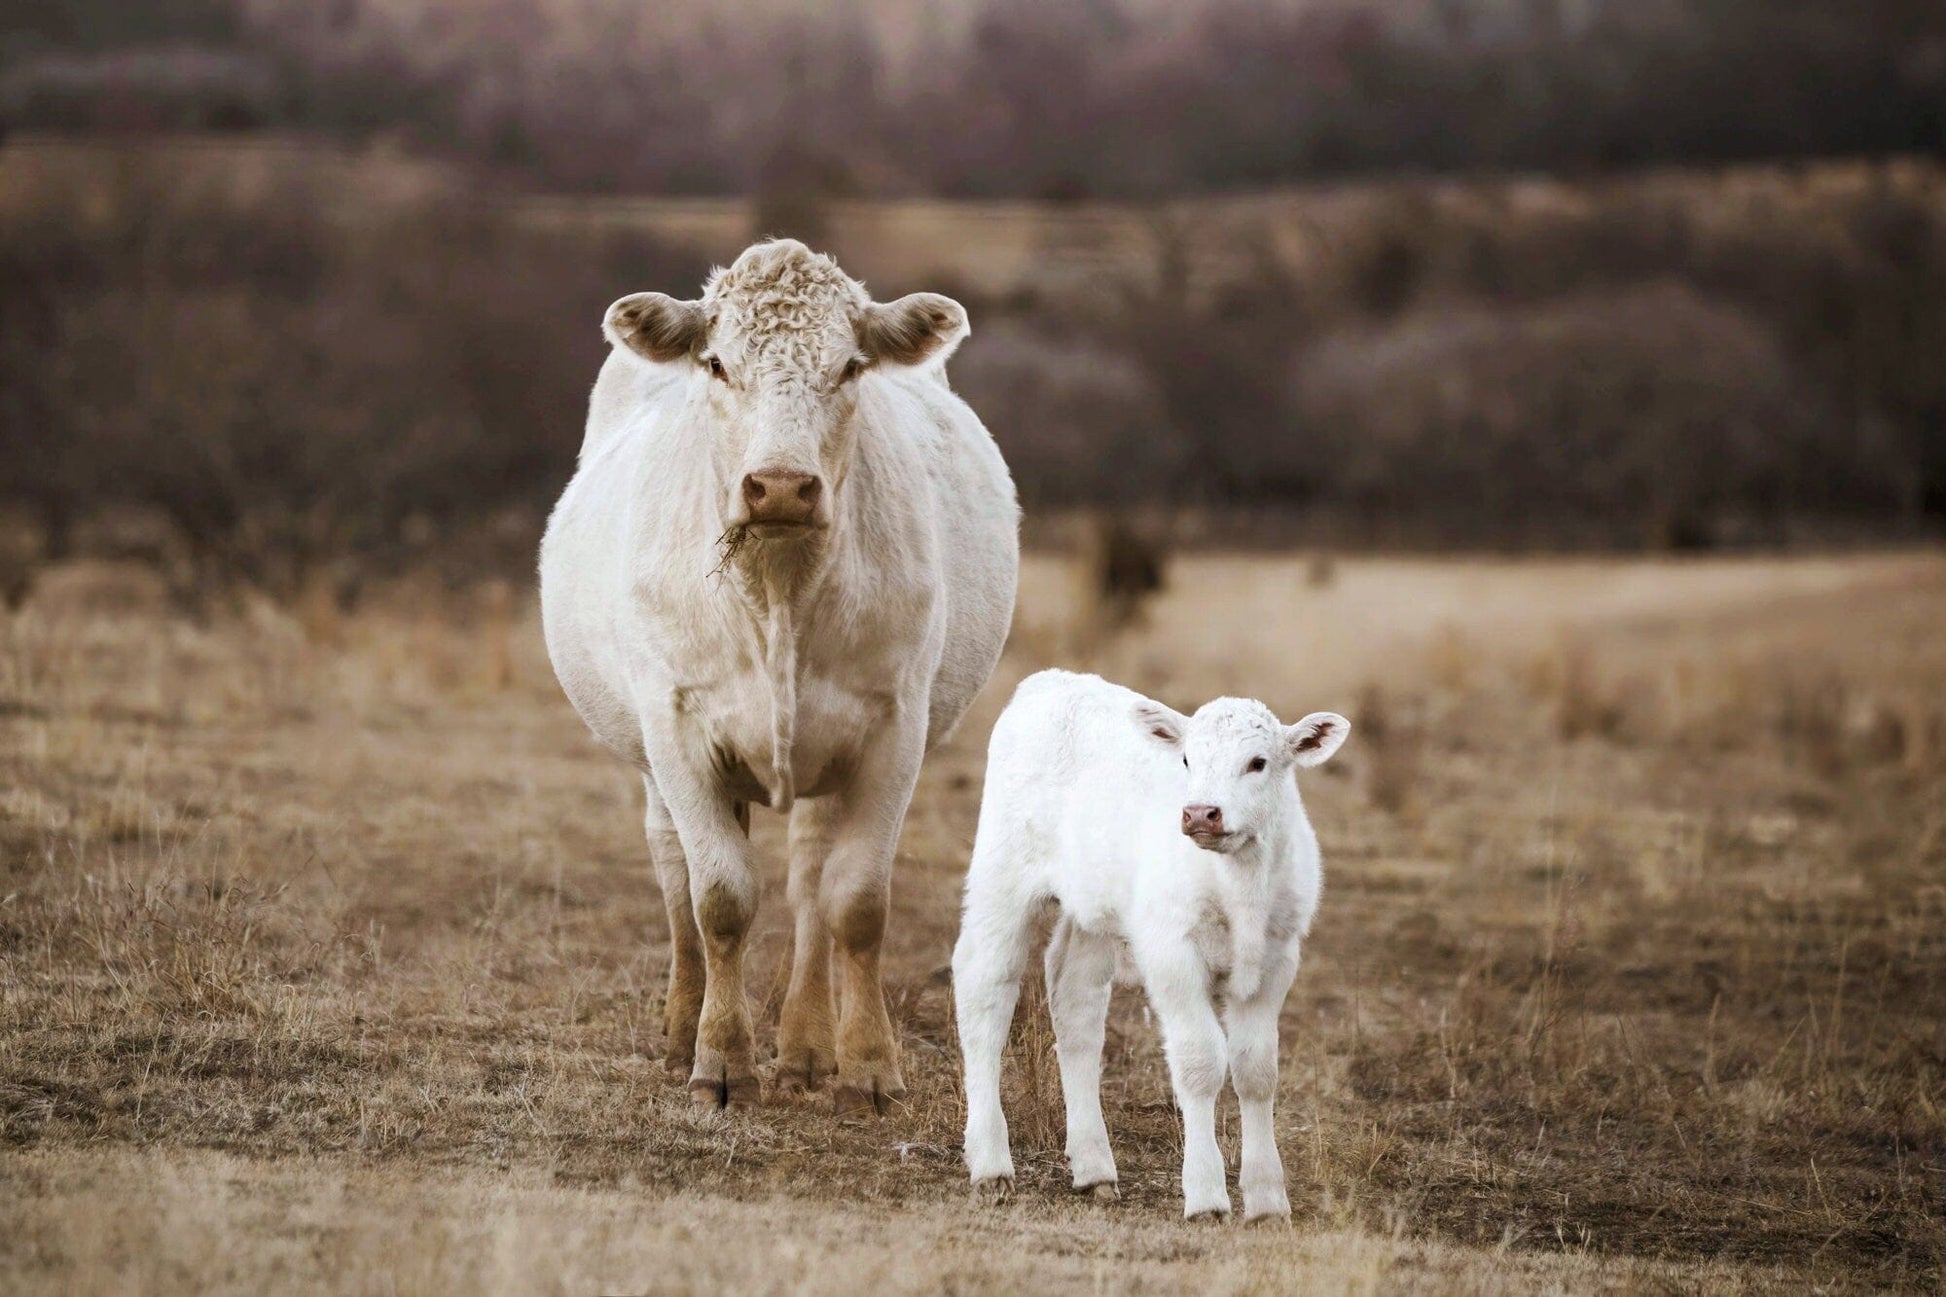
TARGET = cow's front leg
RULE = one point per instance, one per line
(856, 895)
(682, 1006)
(807, 1029)
(723, 899)
(725, 896)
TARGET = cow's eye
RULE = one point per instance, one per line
(716, 370)
(853, 368)
(1185, 761)
(1256, 765)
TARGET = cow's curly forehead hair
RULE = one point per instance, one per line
(1234, 720)
(784, 302)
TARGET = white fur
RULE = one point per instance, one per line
(1086, 785)
(819, 666)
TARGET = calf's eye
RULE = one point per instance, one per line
(1256, 764)
(716, 367)
(1185, 762)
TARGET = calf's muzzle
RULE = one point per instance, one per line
(1202, 820)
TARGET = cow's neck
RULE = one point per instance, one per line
(776, 579)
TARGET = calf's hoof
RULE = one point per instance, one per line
(867, 1099)
(1101, 1191)
(1213, 1216)
(993, 1190)
(1269, 1220)
(1266, 1206)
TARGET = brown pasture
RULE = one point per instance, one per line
(330, 958)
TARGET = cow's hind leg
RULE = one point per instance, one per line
(807, 1029)
(682, 1006)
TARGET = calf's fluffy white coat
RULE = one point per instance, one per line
(1178, 841)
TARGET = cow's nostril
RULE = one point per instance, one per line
(809, 491)
(753, 490)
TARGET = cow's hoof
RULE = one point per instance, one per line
(867, 1100)
(1211, 1217)
(802, 1074)
(993, 1191)
(1104, 1191)
(717, 1093)
(1269, 1220)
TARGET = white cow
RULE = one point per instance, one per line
(784, 567)
(1179, 842)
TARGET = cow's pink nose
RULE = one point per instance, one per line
(1202, 819)
(781, 496)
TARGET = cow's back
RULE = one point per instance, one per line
(584, 553)
(977, 516)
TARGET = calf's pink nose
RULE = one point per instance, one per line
(1202, 819)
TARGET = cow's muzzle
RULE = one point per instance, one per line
(782, 498)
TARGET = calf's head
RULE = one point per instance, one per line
(1238, 759)
(778, 346)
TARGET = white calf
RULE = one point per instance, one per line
(1180, 840)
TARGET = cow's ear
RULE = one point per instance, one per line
(918, 329)
(1312, 740)
(657, 326)
(1162, 724)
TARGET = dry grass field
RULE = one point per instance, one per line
(330, 958)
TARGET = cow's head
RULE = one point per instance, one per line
(779, 344)
(1238, 758)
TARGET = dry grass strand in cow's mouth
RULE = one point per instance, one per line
(731, 542)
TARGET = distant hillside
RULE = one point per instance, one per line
(1000, 98)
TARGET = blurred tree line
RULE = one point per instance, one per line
(303, 376)
(312, 375)
(1016, 97)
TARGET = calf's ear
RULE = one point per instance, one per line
(918, 329)
(1312, 740)
(656, 326)
(1160, 723)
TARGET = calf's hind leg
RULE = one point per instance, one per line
(1080, 979)
(988, 962)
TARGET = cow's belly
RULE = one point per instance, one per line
(834, 724)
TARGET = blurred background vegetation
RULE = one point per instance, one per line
(291, 287)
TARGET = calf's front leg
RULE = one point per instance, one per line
(1253, 1071)
(1192, 1038)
